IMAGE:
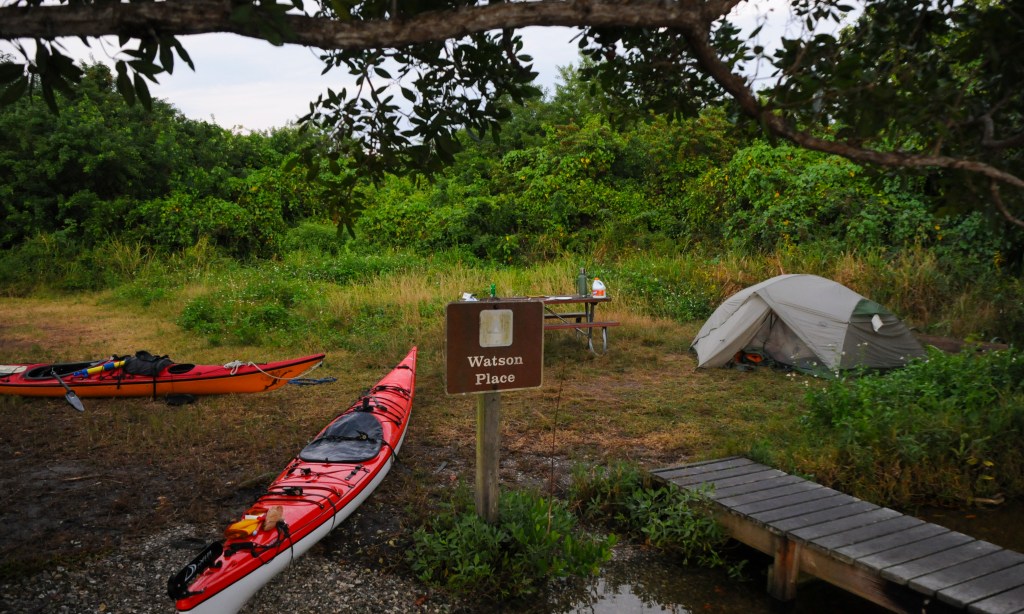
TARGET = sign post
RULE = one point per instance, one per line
(492, 346)
(488, 446)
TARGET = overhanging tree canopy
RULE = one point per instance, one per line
(912, 84)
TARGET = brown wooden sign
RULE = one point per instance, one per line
(494, 345)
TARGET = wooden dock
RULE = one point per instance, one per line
(899, 562)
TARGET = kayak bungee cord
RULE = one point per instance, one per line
(235, 365)
(298, 380)
(389, 407)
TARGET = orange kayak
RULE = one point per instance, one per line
(114, 378)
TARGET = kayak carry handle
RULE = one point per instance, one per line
(177, 585)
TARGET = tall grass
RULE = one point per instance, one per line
(948, 433)
(675, 520)
(535, 542)
(933, 294)
(347, 296)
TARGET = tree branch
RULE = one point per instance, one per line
(989, 141)
(208, 16)
(776, 124)
(998, 200)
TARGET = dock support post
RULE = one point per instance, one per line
(785, 569)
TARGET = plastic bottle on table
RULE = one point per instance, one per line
(598, 290)
(581, 282)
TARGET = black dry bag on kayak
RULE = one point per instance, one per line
(144, 363)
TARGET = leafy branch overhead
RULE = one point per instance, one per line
(924, 85)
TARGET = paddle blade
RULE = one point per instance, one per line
(73, 399)
(69, 395)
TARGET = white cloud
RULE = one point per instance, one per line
(551, 49)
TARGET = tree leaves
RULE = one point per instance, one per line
(53, 71)
(920, 77)
(442, 88)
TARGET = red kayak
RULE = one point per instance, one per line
(147, 375)
(318, 490)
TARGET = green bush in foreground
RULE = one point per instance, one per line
(535, 541)
(946, 429)
(674, 520)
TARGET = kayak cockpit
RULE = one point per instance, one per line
(63, 369)
(353, 438)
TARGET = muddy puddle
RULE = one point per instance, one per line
(663, 586)
(638, 583)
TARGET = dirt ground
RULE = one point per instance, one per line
(75, 488)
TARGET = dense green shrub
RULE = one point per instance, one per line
(783, 194)
(245, 229)
(675, 520)
(353, 263)
(405, 214)
(313, 237)
(947, 428)
(534, 542)
(56, 263)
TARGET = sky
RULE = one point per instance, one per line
(246, 84)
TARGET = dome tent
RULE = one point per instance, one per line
(807, 322)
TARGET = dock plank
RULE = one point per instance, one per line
(951, 576)
(1007, 602)
(802, 508)
(750, 488)
(905, 572)
(918, 549)
(729, 477)
(704, 467)
(866, 533)
(846, 524)
(773, 503)
(885, 542)
(766, 495)
(982, 587)
(827, 515)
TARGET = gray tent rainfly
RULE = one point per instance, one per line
(808, 322)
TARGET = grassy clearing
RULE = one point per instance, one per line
(642, 402)
(204, 462)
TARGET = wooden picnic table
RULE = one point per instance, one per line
(580, 318)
